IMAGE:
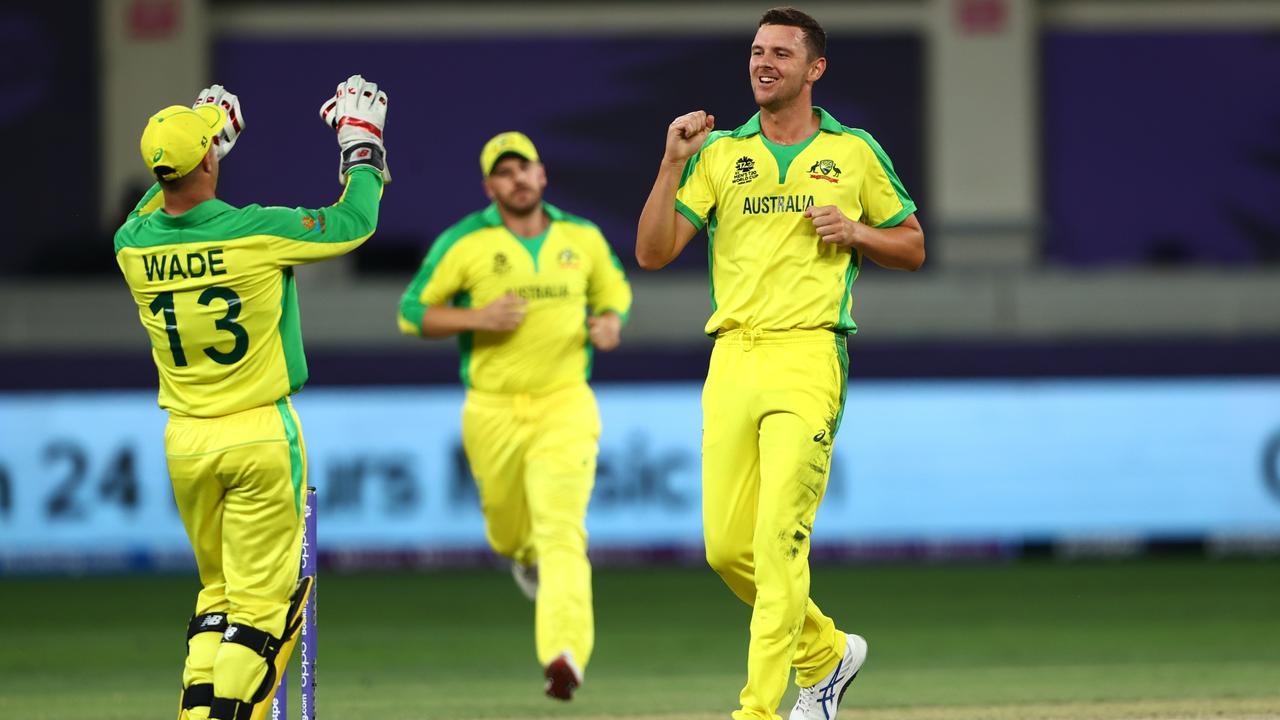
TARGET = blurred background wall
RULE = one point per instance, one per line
(1091, 354)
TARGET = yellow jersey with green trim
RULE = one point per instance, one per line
(562, 274)
(215, 291)
(769, 271)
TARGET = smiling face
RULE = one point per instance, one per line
(782, 71)
(516, 184)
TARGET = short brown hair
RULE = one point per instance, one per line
(815, 38)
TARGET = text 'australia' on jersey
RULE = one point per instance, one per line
(769, 270)
(215, 291)
(561, 274)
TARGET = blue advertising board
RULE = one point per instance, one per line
(83, 480)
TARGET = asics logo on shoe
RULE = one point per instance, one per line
(828, 691)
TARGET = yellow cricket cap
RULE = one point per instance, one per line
(178, 137)
(507, 143)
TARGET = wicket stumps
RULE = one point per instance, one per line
(307, 639)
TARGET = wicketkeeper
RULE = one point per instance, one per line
(215, 291)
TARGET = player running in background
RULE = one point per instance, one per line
(792, 201)
(215, 291)
(529, 290)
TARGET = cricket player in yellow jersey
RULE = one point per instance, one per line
(215, 292)
(792, 202)
(530, 291)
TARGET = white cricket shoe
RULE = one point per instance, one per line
(526, 577)
(819, 702)
(563, 676)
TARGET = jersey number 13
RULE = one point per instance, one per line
(164, 304)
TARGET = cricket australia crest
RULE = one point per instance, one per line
(825, 170)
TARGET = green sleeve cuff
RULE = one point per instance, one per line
(901, 215)
(689, 214)
(411, 317)
(365, 169)
(623, 315)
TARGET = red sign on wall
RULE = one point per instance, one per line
(982, 17)
(154, 19)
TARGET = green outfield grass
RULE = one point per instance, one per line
(1137, 639)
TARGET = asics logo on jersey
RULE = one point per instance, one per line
(744, 171)
(822, 434)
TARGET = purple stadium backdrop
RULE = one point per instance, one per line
(1157, 147)
(1162, 148)
(51, 103)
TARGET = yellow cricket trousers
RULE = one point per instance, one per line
(534, 460)
(771, 406)
(238, 481)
